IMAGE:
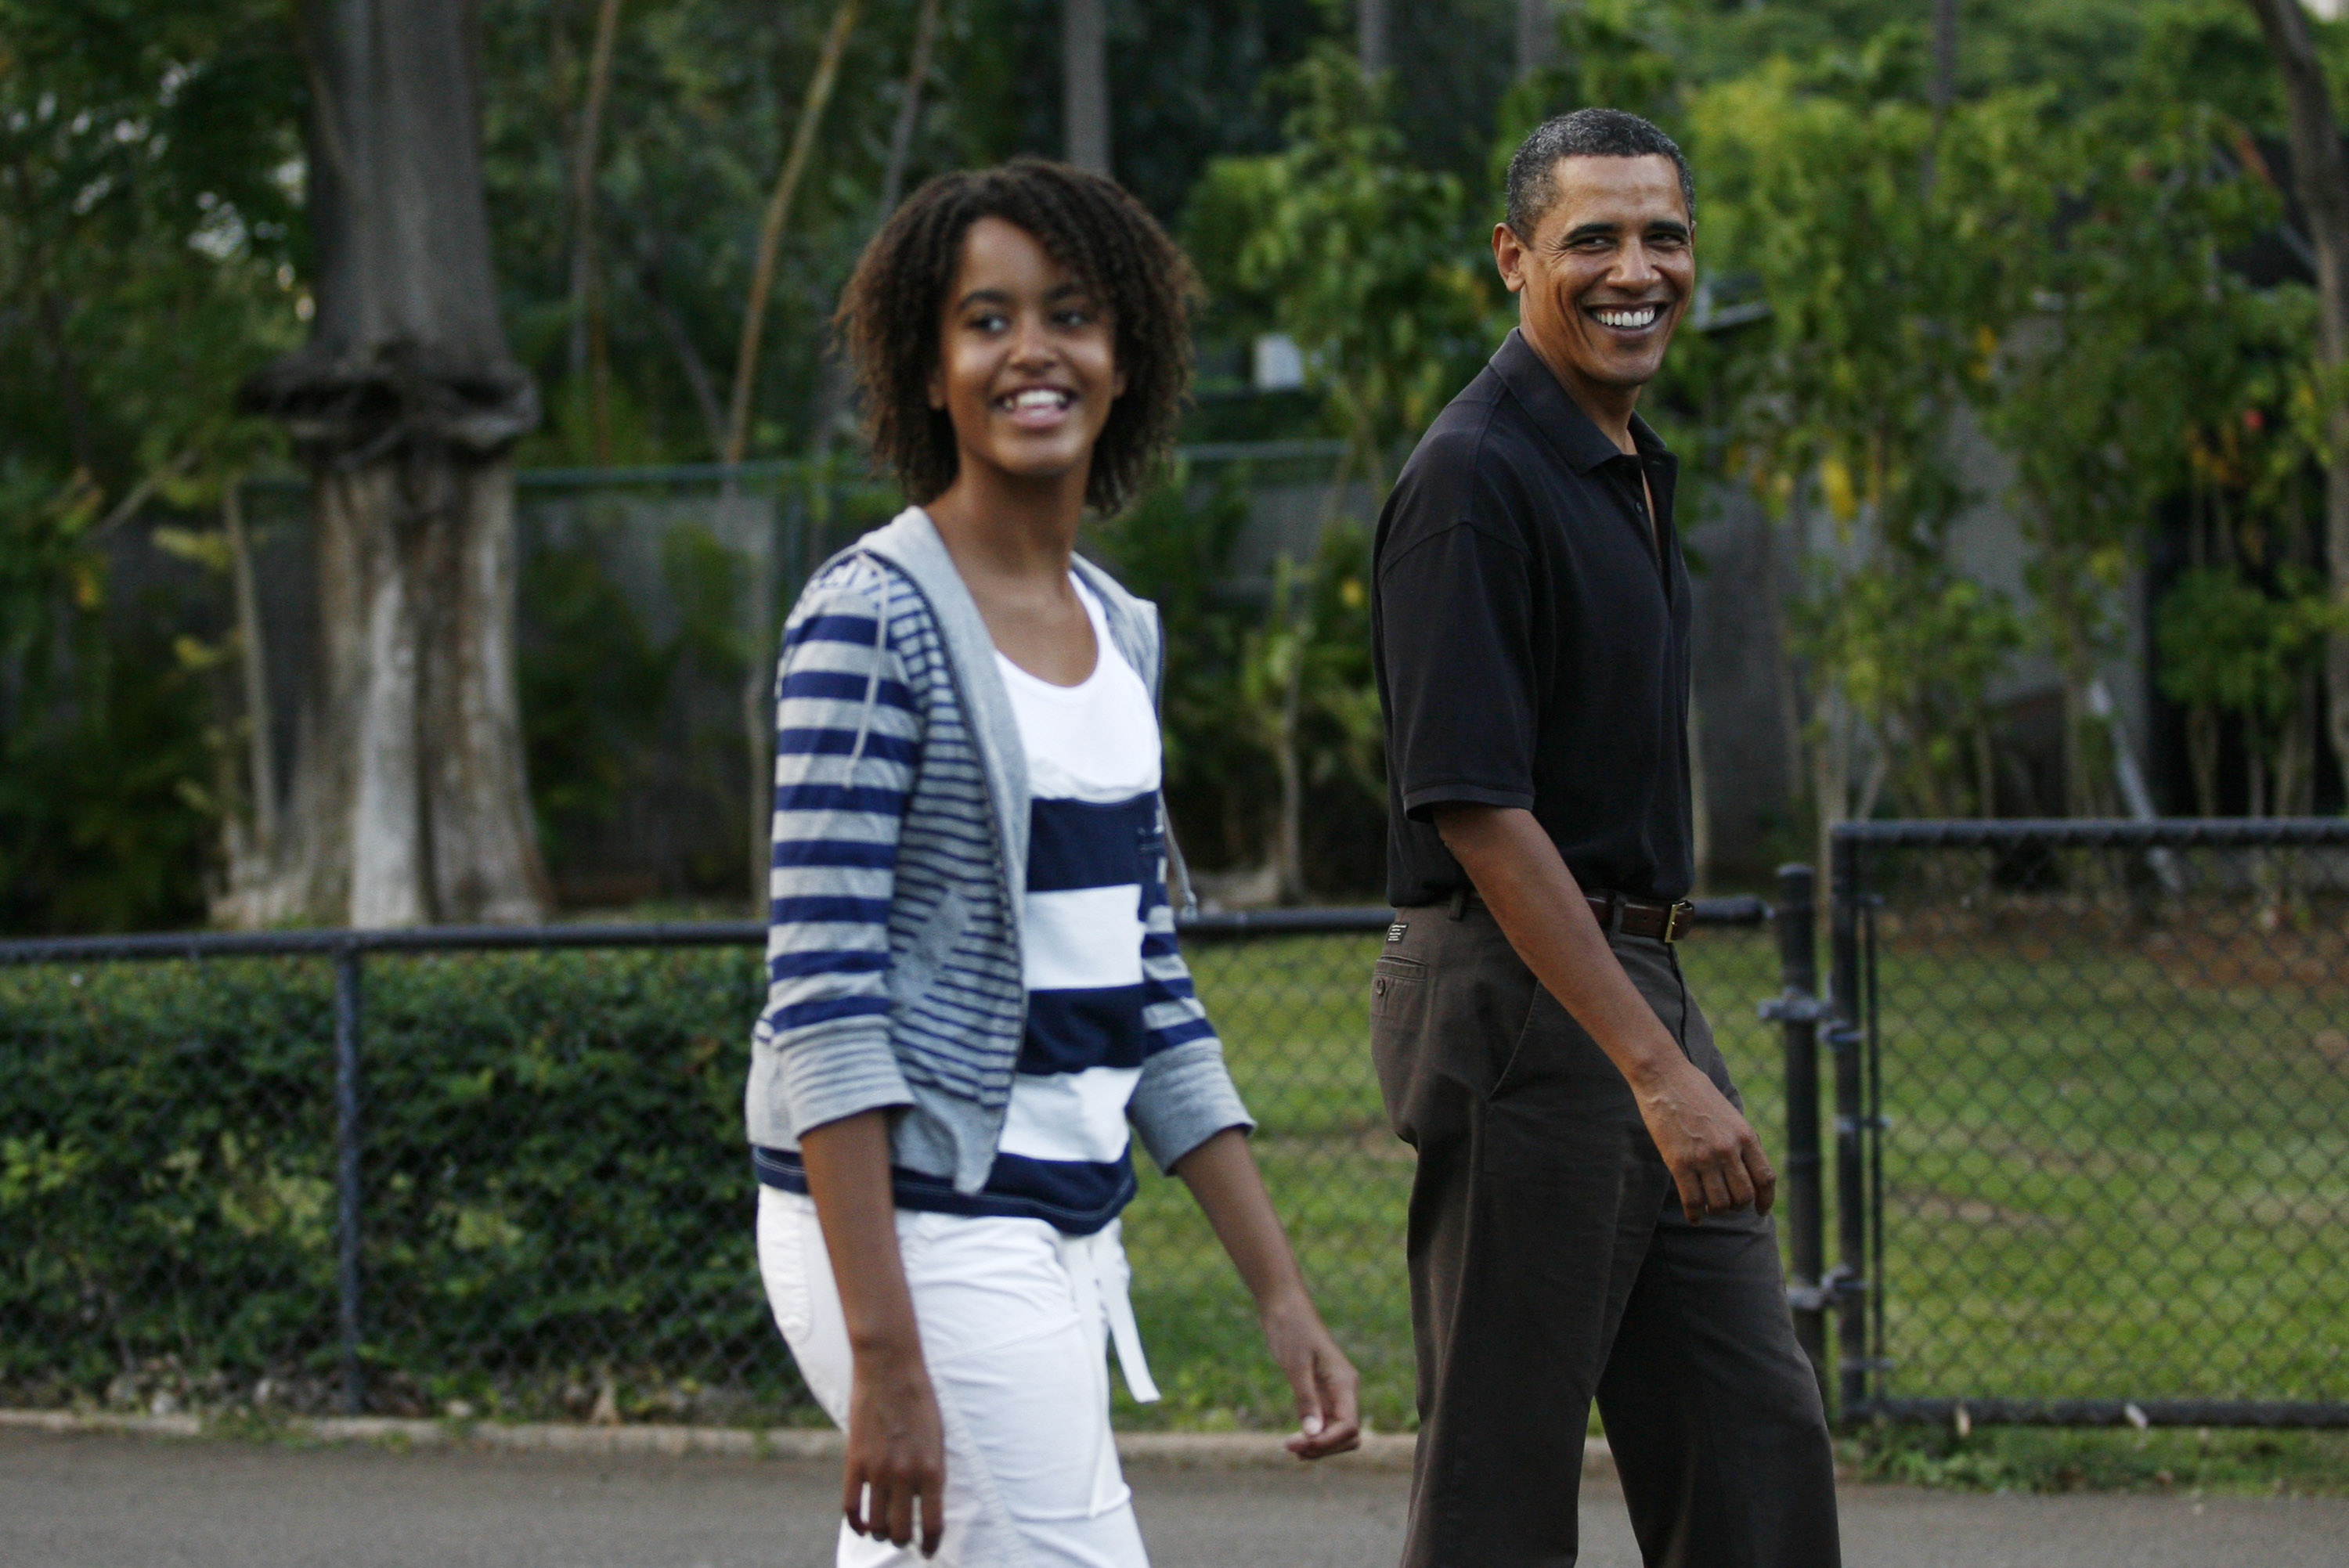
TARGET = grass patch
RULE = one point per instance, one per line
(2052, 1460)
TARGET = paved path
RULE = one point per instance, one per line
(124, 1502)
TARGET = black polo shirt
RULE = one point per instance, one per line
(1532, 638)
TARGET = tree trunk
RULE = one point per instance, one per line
(909, 109)
(1372, 41)
(2319, 171)
(1084, 83)
(1945, 57)
(770, 228)
(1537, 34)
(408, 800)
(835, 383)
(585, 331)
(1290, 849)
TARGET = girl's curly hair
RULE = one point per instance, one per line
(890, 314)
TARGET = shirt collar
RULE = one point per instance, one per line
(1578, 439)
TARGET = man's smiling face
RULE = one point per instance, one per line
(1607, 273)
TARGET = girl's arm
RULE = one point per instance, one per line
(896, 1443)
(1221, 1175)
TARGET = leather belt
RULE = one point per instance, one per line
(1639, 917)
(1617, 914)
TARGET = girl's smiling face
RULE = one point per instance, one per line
(1027, 360)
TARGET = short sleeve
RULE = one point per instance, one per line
(1459, 664)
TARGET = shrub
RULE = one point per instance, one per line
(556, 1203)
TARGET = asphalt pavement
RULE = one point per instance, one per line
(105, 1501)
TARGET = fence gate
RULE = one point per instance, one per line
(2092, 1121)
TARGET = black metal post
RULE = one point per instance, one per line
(348, 959)
(1797, 1011)
(1849, 1285)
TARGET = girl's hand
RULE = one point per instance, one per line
(1329, 1416)
(896, 1444)
(896, 1451)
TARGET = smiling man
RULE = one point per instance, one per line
(1590, 1213)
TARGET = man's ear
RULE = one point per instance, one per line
(1509, 256)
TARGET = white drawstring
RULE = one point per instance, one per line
(1097, 1266)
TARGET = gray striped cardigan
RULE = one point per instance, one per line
(894, 974)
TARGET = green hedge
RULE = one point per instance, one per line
(558, 1205)
(557, 1202)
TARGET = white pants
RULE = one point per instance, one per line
(1014, 1320)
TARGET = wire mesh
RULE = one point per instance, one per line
(2113, 1166)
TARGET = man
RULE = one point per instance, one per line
(1590, 1212)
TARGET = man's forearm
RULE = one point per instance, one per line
(1540, 908)
(1715, 1161)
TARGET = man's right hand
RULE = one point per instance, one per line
(1715, 1160)
(896, 1451)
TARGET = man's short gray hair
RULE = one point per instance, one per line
(1585, 133)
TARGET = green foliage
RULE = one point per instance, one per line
(1175, 545)
(1877, 316)
(1600, 57)
(2137, 338)
(554, 1176)
(1913, 653)
(2228, 645)
(1253, 688)
(592, 686)
(101, 732)
(1370, 264)
(1881, 323)
(148, 256)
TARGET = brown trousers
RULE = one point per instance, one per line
(1550, 1263)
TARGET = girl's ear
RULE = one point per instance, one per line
(937, 385)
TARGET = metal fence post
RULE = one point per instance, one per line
(1849, 1285)
(1797, 1011)
(348, 959)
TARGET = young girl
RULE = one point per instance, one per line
(973, 986)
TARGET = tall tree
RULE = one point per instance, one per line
(588, 363)
(770, 227)
(1536, 34)
(1373, 34)
(2319, 171)
(1084, 76)
(408, 801)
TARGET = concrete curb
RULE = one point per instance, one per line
(1228, 1450)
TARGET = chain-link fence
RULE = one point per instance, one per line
(2095, 1119)
(2089, 1149)
(409, 1173)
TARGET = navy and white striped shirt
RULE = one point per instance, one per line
(1093, 851)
